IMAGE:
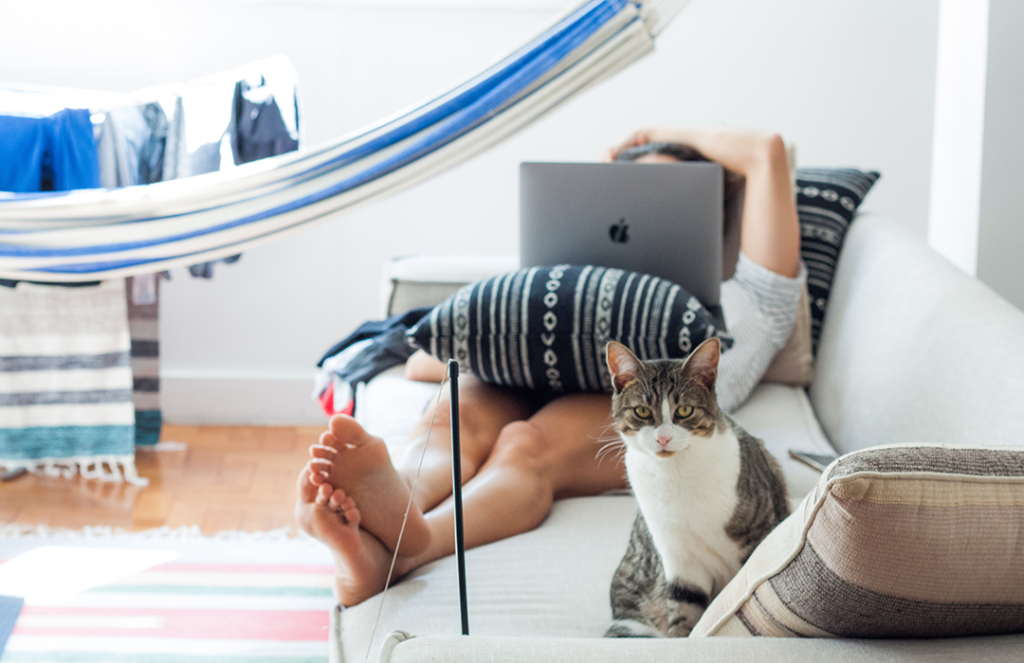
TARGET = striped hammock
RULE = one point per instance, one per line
(98, 234)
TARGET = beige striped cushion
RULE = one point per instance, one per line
(894, 542)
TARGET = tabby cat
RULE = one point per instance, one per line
(708, 491)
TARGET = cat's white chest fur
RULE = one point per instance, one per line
(686, 501)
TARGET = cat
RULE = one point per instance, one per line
(708, 491)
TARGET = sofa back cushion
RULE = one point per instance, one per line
(915, 350)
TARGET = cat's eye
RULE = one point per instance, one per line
(642, 411)
(683, 411)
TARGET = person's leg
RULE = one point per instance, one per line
(350, 454)
(350, 458)
(552, 455)
(484, 410)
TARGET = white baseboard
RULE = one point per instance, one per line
(192, 398)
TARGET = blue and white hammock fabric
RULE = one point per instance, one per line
(100, 234)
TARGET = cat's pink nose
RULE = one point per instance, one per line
(663, 440)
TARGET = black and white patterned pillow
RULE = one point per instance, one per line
(827, 200)
(545, 328)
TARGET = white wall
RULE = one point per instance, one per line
(958, 131)
(1001, 212)
(851, 83)
(976, 209)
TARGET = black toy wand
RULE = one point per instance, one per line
(460, 541)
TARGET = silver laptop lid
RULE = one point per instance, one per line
(663, 219)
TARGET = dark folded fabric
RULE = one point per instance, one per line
(375, 328)
(384, 351)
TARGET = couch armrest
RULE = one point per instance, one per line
(402, 648)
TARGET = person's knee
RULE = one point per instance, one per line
(519, 455)
(521, 444)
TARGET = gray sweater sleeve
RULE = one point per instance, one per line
(760, 309)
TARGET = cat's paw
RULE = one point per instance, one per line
(629, 628)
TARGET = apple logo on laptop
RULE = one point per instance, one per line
(619, 232)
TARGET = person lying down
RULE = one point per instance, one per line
(519, 453)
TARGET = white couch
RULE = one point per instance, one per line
(912, 350)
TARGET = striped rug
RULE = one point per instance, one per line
(234, 598)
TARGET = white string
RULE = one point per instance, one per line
(405, 518)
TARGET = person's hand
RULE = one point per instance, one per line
(739, 150)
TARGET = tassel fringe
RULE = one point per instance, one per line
(104, 468)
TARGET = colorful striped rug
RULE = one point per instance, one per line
(166, 597)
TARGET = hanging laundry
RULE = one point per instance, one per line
(260, 130)
(131, 145)
(229, 119)
(199, 131)
(55, 153)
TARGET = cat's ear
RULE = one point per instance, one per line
(703, 362)
(623, 364)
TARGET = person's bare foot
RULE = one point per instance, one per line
(360, 561)
(349, 458)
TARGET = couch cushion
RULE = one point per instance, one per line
(794, 363)
(906, 541)
(914, 349)
(826, 201)
(553, 581)
(546, 328)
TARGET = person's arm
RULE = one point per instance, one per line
(770, 234)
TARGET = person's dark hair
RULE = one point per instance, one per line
(733, 182)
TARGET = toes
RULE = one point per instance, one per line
(336, 500)
(322, 450)
(324, 494)
(351, 513)
(308, 483)
(321, 468)
(327, 440)
(347, 429)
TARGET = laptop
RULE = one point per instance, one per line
(663, 219)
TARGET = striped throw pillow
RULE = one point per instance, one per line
(545, 328)
(908, 541)
(826, 200)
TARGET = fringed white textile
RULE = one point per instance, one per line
(104, 468)
(182, 533)
(66, 382)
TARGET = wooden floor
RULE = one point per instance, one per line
(228, 477)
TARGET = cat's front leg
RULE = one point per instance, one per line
(638, 589)
(686, 605)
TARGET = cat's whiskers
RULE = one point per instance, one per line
(610, 448)
(611, 444)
